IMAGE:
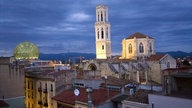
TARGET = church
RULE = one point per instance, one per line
(138, 61)
(137, 46)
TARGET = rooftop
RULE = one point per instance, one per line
(138, 35)
(113, 81)
(98, 96)
(116, 60)
(178, 71)
(43, 72)
(155, 57)
(140, 96)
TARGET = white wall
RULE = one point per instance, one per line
(160, 101)
(131, 104)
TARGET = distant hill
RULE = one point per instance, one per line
(75, 57)
(177, 54)
(65, 57)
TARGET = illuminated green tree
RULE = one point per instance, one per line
(26, 50)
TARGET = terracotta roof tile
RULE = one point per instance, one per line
(98, 96)
(115, 60)
(138, 35)
(113, 81)
(140, 96)
(156, 57)
(55, 73)
(178, 69)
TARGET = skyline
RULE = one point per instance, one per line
(62, 26)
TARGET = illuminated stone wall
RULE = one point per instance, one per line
(102, 33)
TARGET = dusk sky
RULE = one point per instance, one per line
(61, 26)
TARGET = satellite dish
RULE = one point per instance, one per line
(76, 92)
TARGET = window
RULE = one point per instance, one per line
(105, 16)
(28, 84)
(98, 17)
(130, 48)
(168, 65)
(79, 84)
(150, 47)
(32, 95)
(32, 85)
(51, 87)
(101, 16)
(102, 34)
(141, 48)
(45, 85)
(28, 94)
(103, 47)
(40, 84)
(107, 32)
(28, 104)
(97, 34)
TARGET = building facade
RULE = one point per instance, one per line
(120, 68)
(42, 83)
(102, 33)
(158, 63)
(12, 77)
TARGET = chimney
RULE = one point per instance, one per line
(122, 90)
(138, 77)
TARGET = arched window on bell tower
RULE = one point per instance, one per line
(97, 33)
(101, 16)
(107, 32)
(105, 16)
(130, 48)
(98, 16)
(102, 33)
(141, 49)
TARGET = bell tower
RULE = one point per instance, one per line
(102, 33)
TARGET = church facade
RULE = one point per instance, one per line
(137, 46)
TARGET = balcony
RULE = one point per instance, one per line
(45, 104)
(45, 91)
(40, 102)
(40, 89)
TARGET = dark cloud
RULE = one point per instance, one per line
(59, 25)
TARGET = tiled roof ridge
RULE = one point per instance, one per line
(68, 96)
(155, 57)
(138, 35)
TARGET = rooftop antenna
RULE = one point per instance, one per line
(89, 91)
(106, 86)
